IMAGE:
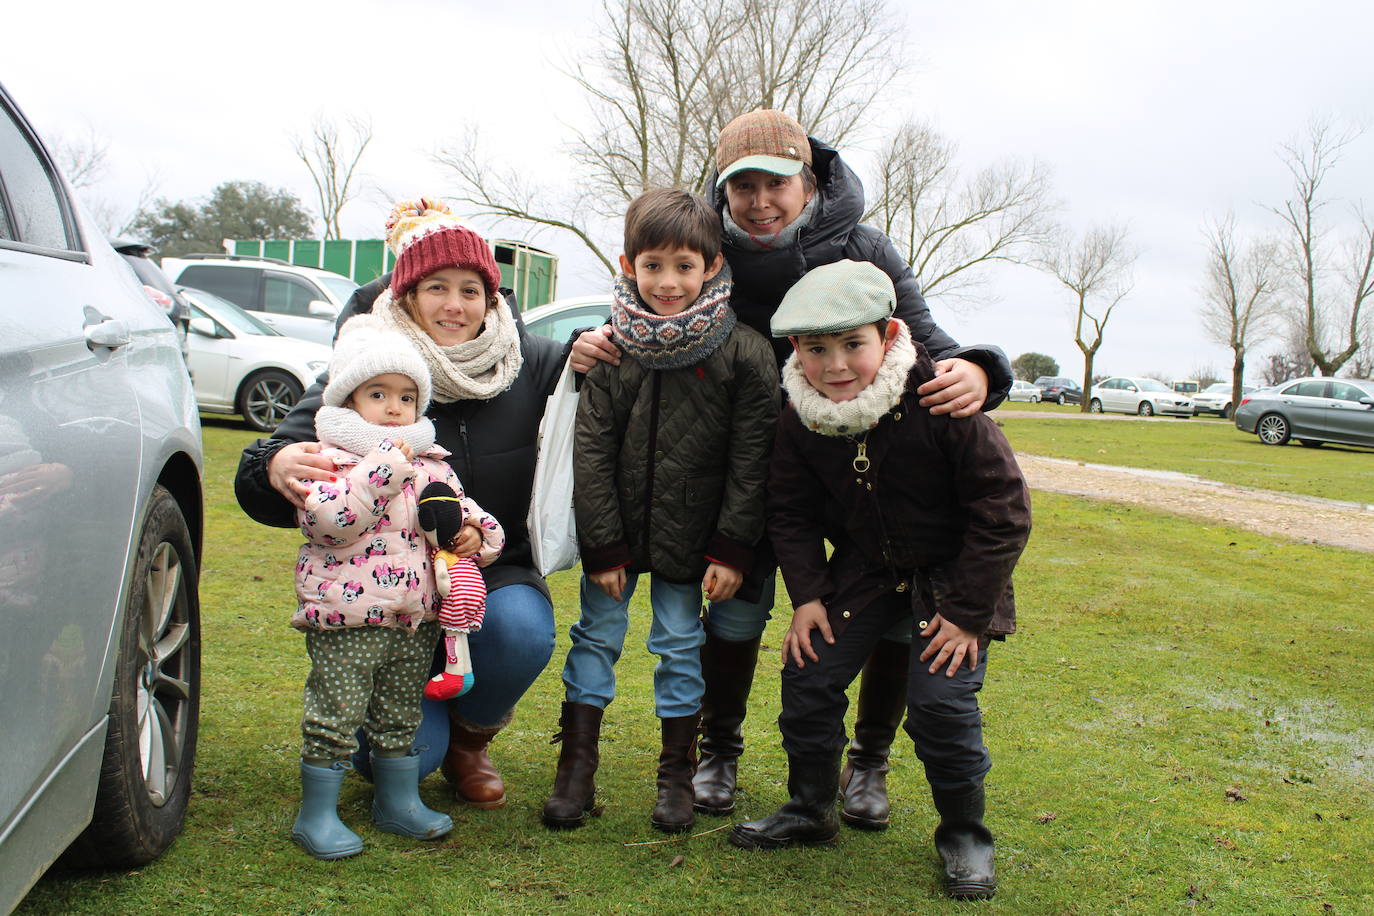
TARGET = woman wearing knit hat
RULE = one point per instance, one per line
(788, 204)
(490, 383)
(366, 591)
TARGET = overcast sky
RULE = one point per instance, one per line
(1158, 113)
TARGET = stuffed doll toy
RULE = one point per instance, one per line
(459, 584)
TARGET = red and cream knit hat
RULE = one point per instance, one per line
(425, 236)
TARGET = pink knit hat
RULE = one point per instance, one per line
(426, 236)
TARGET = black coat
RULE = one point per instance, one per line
(762, 278)
(942, 507)
(494, 446)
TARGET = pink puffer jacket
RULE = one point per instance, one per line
(365, 563)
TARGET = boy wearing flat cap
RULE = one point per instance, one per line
(927, 516)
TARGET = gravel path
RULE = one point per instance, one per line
(1302, 518)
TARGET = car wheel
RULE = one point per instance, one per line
(1273, 429)
(1226, 412)
(1095, 406)
(150, 743)
(1146, 409)
(1061, 400)
(266, 398)
(1311, 443)
(1035, 399)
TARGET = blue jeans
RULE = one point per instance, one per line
(508, 653)
(737, 620)
(675, 636)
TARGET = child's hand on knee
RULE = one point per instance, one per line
(612, 582)
(810, 616)
(960, 388)
(721, 582)
(951, 644)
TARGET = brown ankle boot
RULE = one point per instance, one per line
(728, 669)
(882, 703)
(475, 779)
(574, 788)
(676, 763)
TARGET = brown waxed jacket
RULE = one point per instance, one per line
(669, 465)
(941, 510)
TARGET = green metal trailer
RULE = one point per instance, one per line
(530, 272)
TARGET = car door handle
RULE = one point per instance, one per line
(110, 333)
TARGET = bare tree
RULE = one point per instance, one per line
(947, 226)
(1240, 305)
(1333, 291)
(332, 161)
(668, 74)
(1097, 270)
(83, 162)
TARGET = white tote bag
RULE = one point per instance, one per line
(552, 527)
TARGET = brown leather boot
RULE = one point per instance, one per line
(728, 669)
(574, 788)
(676, 763)
(475, 779)
(882, 704)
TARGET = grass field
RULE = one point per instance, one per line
(1183, 725)
(1209, 448)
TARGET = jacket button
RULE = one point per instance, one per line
(658, 456)
(923, 624)
(901, 586)
(846, 615)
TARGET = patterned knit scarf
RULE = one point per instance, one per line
(786, 237)
(864, 411)
(476, 370)
(672, 341)
(344, 427)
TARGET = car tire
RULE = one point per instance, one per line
(266, 397)
(1061, 400)
(1035, 399)
(1311, 443)
(150, 743)
(1095, 406)
(1226, 412)
(1145, 409)
(1273, 429)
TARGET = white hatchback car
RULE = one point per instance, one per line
(242, 366)
(1143, 396)
(1022, 390)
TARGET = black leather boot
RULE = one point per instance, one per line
(728, 669)
(807, 819)
(965, 844)
(676, 762)
(574, 788)
(882, 704)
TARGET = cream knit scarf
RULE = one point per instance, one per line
(344, 427)
(862, 413)
(477, 370)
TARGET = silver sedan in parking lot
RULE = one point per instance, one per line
(1311, 410)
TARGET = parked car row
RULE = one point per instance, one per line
(1144, 396)
(101, 513)
(1311, 410)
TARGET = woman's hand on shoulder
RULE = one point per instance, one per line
(592, 347)
(293, 465)
(960, 388)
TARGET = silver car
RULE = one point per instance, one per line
(100, 531)
(1311, 410)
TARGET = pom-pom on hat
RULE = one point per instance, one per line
(425, 236)
(835, 297)
(365, 350)
(765, 139)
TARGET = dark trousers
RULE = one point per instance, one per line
(942, 712)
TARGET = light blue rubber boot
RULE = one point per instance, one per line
(396, 805)
(318, 828)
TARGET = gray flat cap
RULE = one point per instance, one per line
(835, 297)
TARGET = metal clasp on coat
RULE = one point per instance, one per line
(861, 462)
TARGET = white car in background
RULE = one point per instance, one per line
(242, 366)
(1022, 390)
(1144, 396)
(1216, 398)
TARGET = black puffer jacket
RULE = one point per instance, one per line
(493, 444)
(670, 465)
(762, 278)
